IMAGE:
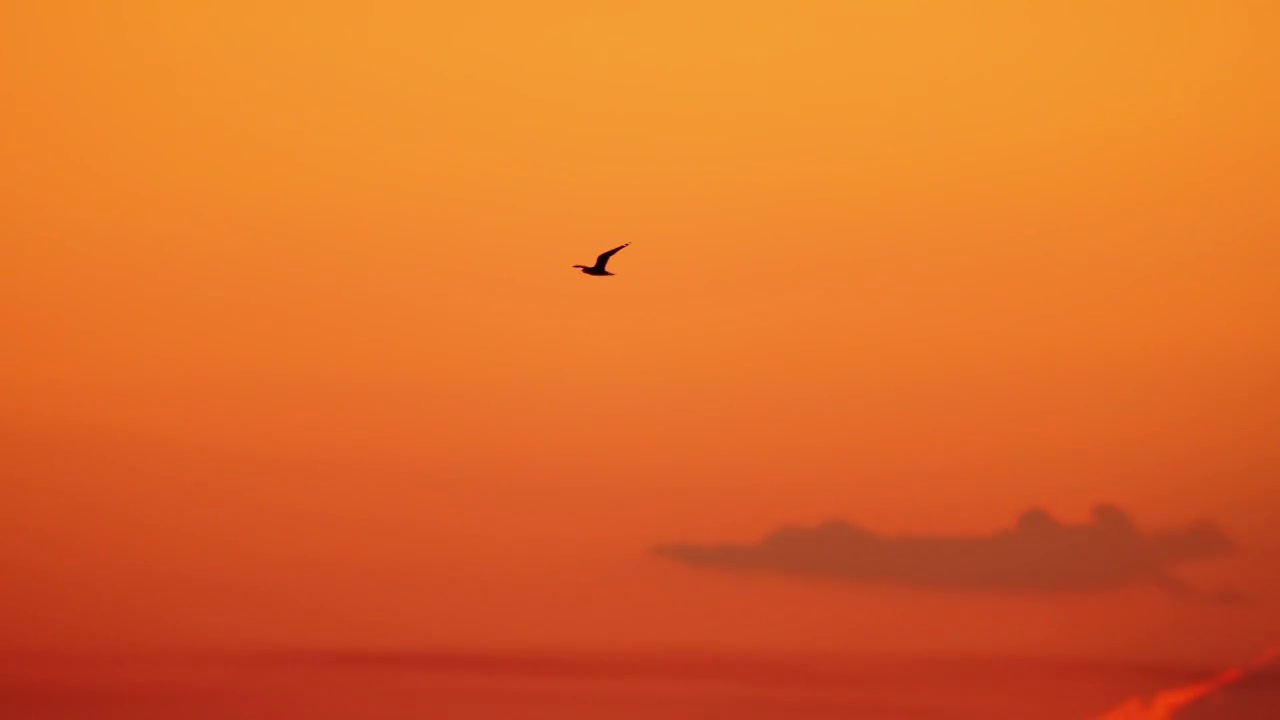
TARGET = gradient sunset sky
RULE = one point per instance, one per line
(295, 355)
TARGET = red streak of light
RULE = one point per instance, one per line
(1164, 704)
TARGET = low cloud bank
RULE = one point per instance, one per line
(1039, 554)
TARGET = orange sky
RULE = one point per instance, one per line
(296, 355)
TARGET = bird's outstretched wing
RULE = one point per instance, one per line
(604, 256)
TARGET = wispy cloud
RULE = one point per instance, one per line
(1197, 700)
(1038, 554)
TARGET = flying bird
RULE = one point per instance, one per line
(598, 268)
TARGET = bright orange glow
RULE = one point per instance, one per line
(296, 357)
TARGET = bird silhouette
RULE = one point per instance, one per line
(598, 268)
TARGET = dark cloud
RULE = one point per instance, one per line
(1039, 554)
